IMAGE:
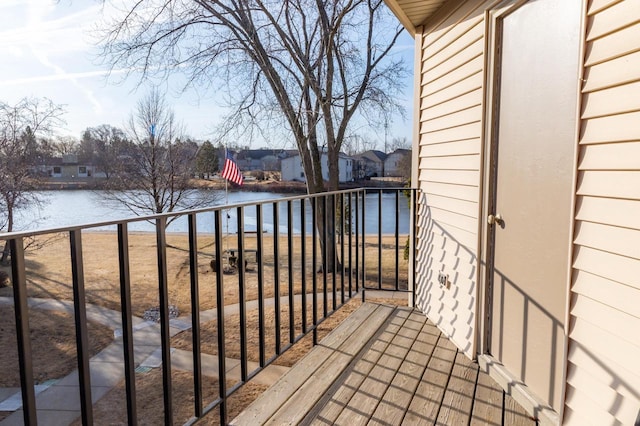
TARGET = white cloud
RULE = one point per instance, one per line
(59, 77)
(50, 40)
(47, 25)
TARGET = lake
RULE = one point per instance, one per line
(78, 207)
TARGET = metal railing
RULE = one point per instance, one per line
(335, 272)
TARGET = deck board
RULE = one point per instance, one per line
(279, 394)
(458, 399)
(329, 410)
(395, 401)
(366, 399)
(313, 389)
(487, 407)
(385, 365)
(426, 402)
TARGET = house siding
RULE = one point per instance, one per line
(602, 370)
(291, 168)
(603, 373)
(450, 129)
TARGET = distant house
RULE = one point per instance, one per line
(259, 159)
(369, 164)
(291, 168)
(398, 163)
(68, 167)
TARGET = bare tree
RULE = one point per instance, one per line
(310, 66)
(399, 143)
(65, 145)
(155, 167)
(315, 64)
(357, 144)
(100, 146)
(20, 126)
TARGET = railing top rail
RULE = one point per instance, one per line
(153, 217)
(387, 188)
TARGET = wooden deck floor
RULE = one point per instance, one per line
(388, 366)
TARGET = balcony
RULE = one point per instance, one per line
(238, 298)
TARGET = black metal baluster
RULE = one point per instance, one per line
(82, 335)
(195, 315)
(380, 239)
(397, 239)
(314, 276)
(334, 252)
(259, 259)
(127, 323)
(23, 335)
(222, 366)
(161, 247)
(325, 299)
(303, 263)
(292, 329)
(342, 238)
(357, 241)
(242, 295)
(276, 272)
(364, 244)
(350, 233)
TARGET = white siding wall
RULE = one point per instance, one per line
(291, 169)
(449, 163)
(603, 372)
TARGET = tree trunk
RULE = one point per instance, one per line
(326, 213)
(6, 252)
(4, 260)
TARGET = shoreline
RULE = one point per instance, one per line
(281, 187)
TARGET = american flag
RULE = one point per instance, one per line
(231, 171)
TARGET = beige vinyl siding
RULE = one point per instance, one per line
(612, 73)
(598, 104)
(616, 156)
(573, 417)
(450, 131)
(464, 71)
(615, 45)
(617, 212)
(457, 96)
(603, 373)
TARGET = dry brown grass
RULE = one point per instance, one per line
(52, 343)
(209, 333)
(291, 356)
(111, 409)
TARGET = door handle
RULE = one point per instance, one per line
(497, 219)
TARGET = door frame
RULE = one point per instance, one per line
(494, 16)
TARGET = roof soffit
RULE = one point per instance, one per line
(414, 13)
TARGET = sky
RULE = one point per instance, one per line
(48, 50)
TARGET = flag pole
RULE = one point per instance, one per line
(230, 172)
(226, 190)
(226, 202)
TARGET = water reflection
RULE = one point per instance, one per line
(76, 207)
